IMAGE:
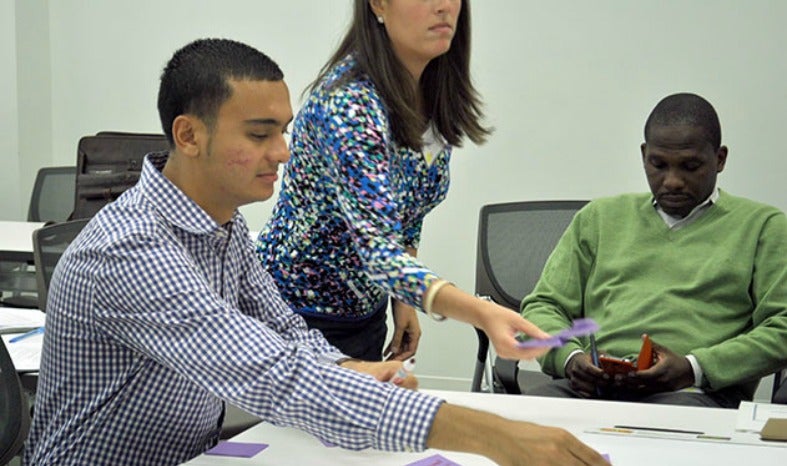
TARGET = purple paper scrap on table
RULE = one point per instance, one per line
(239, 449)
(434, 460)
(606, 457)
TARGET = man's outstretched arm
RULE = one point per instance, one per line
(505, 441)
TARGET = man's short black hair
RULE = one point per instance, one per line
(195, 80)
(686, 109)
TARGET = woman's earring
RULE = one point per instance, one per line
(380, 19)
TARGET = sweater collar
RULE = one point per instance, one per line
(675, 223)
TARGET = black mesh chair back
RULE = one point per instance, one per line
(514, 242)
(49, 243)
(52, 200)
(53, 195)
(14, 409)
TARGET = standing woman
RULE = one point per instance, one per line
(370, 153)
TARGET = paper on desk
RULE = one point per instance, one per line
(753, 416)
(434, 460)
(237, 449)
(25, 353)
(19, 319)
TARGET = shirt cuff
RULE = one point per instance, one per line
(695, 366)
(406, 421)
(568, 358)
(333, 357)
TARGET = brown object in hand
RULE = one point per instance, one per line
(645, 358)
(612, 365)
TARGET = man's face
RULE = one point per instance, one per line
(681, 166)
(246, 145)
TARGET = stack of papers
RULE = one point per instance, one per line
(20, 320)
(753, 416)
(25, 353)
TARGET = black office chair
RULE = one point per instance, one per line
(53, 195)
(514, 242)
(49, 243)
(52, 200)
(14, 409)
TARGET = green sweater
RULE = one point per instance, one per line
(716, 288)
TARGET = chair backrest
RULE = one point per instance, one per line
(52, 199)
(49, 243)
(14, 409)
(109, 163)
(514, 242)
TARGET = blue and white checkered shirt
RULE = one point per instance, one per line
(157, 315)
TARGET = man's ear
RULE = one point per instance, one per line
(721, 158)
(185, 134)
(642, 148)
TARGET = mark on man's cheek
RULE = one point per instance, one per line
(238, 158)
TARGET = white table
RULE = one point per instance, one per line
(16, 240)
(290, 446)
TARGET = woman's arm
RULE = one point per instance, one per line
(499, 323)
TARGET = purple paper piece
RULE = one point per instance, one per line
(579, 328)
(434, 460)
(539, 342)
(239, 449)
(606, 457)
(327, 443)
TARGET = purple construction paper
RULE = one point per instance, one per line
(239, 449)
(434, 460)
(606, 457)
(541, 342)
(579, 328)
(327, 443)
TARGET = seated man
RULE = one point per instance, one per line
(700, 271)
(159, 312)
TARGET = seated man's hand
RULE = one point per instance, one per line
(530, 444)
(583, 377)
(384, 371)
(507, 442)
(670, 372)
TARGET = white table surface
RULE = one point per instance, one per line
(16, 240)
(292, 447)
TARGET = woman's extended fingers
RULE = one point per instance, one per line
(503, 326)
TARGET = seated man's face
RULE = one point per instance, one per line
(248, 143)
(681, 166)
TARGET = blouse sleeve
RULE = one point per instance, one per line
(353, 129)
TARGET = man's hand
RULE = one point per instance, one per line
(507, 442)
(407, 332)
(583, 377)
(383, 371)
(671, 372)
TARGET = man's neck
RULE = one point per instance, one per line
(186, 178)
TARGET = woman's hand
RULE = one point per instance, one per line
(407, 332)
(502, 325)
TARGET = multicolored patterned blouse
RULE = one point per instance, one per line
(351, 201)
